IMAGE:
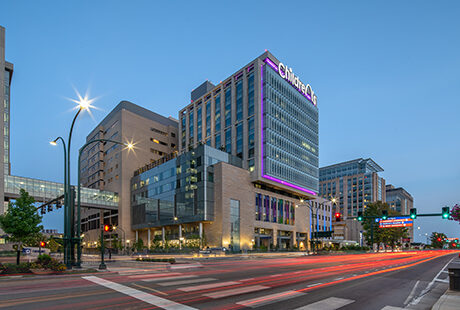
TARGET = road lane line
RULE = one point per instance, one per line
(187, 281)
(268, 299)
(331, 303)
(206, 286)
(145, 297)
(169, 278)
(392, 308)
(154, 275)
(314, 284)
(236, 291)
(411, 294)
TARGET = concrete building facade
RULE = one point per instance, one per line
(205, 194)
(109, 166)
(264, 115)
(352, 185)
(6, 76)
(399, 199)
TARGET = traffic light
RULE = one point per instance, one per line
(338, 217)
(42, 244)
(42, 210)
(439, 239)
(445, 212)
(108, 228)
(413, 213)
(49, 208)
(384, 214)
(360, 216)
(58, 204)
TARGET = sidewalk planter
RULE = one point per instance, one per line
(42, 271)
(454, 279)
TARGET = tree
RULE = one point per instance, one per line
(21, 222)
(455, 213)
(437, 240)
(388, 236)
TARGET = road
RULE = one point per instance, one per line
(365, 281)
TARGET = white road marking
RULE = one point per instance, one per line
(248, 279)
(338, 278)
(331, 303)
(236, 291)
(168, 278)
(185, 266)
(412, 292)
(145, 297)
(443, 281)
(206, 286)
(155, 275)
(392, 308)
(187, 281)
(428, 287)
(268, 299)
(314, 284)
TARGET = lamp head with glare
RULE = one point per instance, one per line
(53, 142)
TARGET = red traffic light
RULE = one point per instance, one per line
(338, 216)
(106, 227)
(42, 244)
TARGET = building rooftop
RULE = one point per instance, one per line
(360, 161)
(136, 109)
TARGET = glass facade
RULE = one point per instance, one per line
(199, 124)
(208, 119)
(239, 100)
(178, 191)
(290, 133)
(234, 225)
(274, 210)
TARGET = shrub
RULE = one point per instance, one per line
(46, 262)
(14, 269)
(171, 260)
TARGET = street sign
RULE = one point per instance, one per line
(392, 222)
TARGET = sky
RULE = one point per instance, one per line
(386, 74)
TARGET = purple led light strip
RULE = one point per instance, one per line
(262, 136)
(269, 62)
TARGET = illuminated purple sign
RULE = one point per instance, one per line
(270, 63)
(287, 74)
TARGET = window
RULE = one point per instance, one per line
(228, 140)
(228, 107)
(251, 94)
(217, 113)
(239, 100)
(239, 140)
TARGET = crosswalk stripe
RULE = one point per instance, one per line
(148, 298)
(268, 299)
(154, 275)
(331, 303)
(236, 291)
(206, 286)
(168, 278)
(187, 281)
(392, 308)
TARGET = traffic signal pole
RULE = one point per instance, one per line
(102, 265)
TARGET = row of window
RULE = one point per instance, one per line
(274, 210)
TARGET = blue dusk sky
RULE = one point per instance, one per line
(386, 74)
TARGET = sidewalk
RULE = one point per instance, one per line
(449, 301)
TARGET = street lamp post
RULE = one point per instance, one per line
(80, 152)
(66, 203)
(313, 216)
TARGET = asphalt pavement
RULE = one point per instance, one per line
(411, 280)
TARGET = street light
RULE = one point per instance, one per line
(66, 202)
(84, 103)
(80, 152)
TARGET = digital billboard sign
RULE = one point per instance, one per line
(393, 222)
